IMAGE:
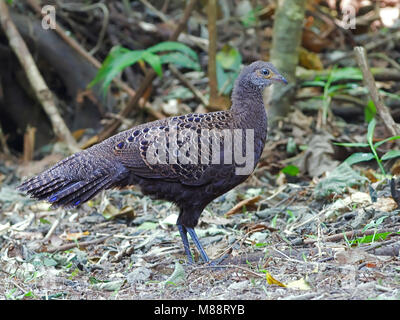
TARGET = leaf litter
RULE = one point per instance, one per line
(133, 250)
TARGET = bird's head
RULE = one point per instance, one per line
(261, 74)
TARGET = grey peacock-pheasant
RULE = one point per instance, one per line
(172, 159)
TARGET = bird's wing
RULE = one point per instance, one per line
(172, 150)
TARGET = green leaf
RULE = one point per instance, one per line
(389, 94)
(147, 225)
(315, 83)
(225, 80)
(173, 46)
(369, 111)
(370, 133)
(177, 277)
(351, 144)
(249, 18)
(370, 137)
(228, 68)
(49, 262)
(346, 74)
(372, 238)
(377, 144)
(229, 58)
(359, 157)
(338, 181)
(291, 146)
(154, 61)
(29, 294)
(118, 59)
(180, 59)
(337, 87)
(291, 170)
(44, 221)
(391, 154)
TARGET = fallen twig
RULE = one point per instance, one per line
(159, 14)
(69, 246)
(3, 143)
(373, 91)
(229, 266)
(202, 99)
(349, 235)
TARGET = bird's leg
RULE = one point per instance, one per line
(196, 241)
(183, 232)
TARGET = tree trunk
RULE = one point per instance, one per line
(287, 32)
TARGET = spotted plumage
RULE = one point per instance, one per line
(172, 159)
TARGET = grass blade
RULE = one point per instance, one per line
(359, 157)
(391, 154)
(377, 144)
(173, 46)
(351, 144)
(154, 61)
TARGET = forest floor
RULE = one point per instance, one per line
(304, 226)
(122, 245)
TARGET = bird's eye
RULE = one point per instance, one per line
(265, 72)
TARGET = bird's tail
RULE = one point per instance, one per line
(74, 180)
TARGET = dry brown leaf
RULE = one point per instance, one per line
(111, 212)
(314, 42)
(385, 204)
(29, 144)
(310, 60)
(369, 173)
(74, 236)
(77, 134)
(353, 256)
(241, 204)
(256, 227)
(93, 140)
(395, 169)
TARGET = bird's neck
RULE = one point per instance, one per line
(248, 108)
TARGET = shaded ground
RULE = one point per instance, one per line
(327, 231)
(137, 254)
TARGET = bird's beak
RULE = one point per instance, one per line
(279, 78)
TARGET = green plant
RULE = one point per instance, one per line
(367, 156)
(165, 52)
(249, 19)
(374, 224)
(329, 90)
(291, 170)
(292, 217)
(375, 236)
(228, 62)
(369, 111)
